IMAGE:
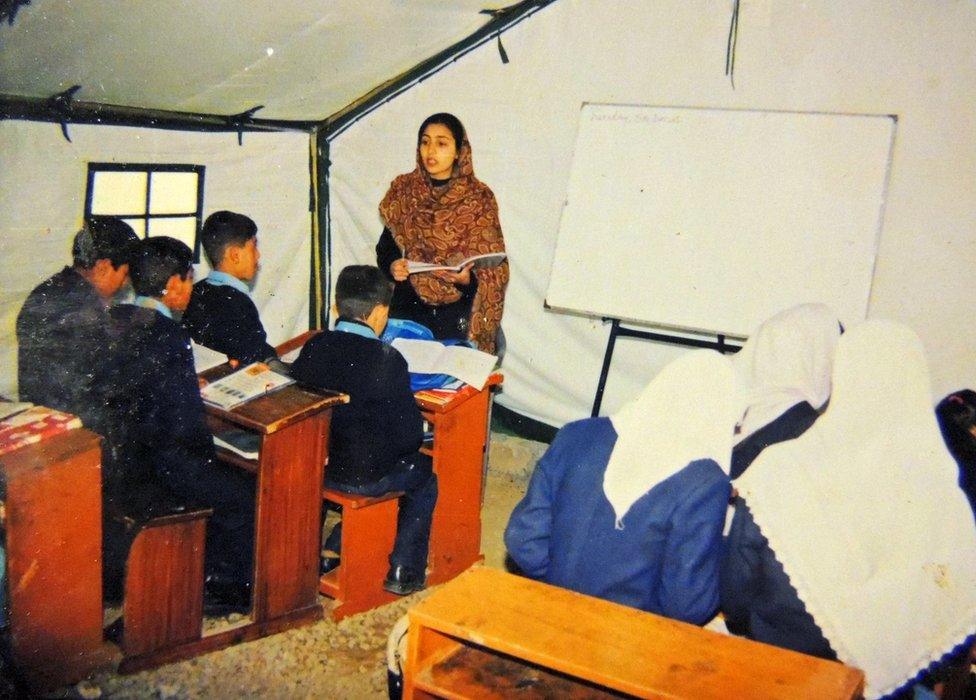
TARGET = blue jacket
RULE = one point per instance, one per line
(665, 560)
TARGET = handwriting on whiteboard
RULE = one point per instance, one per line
(636, 117)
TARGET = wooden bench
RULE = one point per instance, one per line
(368, 531)
(490, 634)
(162, 604)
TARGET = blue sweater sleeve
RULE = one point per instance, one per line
(689, 586)
(529, 530)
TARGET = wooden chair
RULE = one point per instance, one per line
(368, 530)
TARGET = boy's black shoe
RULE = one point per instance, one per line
(328, 564)
(402, 581)
(223, 596)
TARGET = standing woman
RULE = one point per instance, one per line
(441, 213)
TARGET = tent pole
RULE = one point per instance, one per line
(321, 235)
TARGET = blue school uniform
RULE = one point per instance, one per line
(790, 425)
(664, 559)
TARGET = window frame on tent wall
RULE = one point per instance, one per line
(142, 216)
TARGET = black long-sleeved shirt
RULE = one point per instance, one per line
(381, 423)
(61, 335)
(226, 320)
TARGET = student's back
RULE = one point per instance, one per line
(381, 422)
(61, 326)
(630, 508)
(225, 319)
(155, 399)
(654, 561)
(59, 330)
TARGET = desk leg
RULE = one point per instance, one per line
(289, 504)
(460, 439)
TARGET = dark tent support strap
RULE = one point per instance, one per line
(325, 232)
(62, 109)
(501, 20)
(618, 331)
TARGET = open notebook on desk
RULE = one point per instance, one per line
(430, 357)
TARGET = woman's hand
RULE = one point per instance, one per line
(398, 268)
(460, 279)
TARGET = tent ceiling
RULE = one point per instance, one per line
(302, 59)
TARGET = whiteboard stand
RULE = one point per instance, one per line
(618, 331)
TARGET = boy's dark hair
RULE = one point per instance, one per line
(957, 415)
(224, 228)
(361, 288)
(156, 260)
(444, 119)
(103, 238)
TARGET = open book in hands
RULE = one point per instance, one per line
(476, 261)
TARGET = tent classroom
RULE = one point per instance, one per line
(342, 87)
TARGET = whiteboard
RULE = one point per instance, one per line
(712, 220)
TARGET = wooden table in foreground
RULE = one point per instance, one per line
(490, 634)
(293, 423)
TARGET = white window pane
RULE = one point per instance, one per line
(173, 193)
(119, 193)
(183, 229)
(138, 225)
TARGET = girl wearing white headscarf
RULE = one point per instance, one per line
(630, 508)
(783, 374)
(854, 541)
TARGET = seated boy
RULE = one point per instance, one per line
(221, 314)
(61, 327)
(377, 435)
(157, 434)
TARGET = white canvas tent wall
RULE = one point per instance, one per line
(912, 59)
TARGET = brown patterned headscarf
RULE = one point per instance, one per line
(445, 225)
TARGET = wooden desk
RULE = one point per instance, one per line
(52, 491)
(490, 634)
(460, 429)
(294, 426)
